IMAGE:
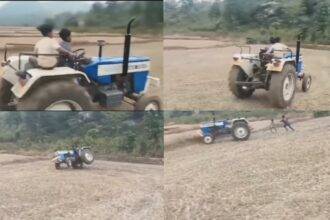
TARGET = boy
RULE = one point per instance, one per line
(286, 123)
(272, 126)
(65, 43)
(48, 45)
(276, 45)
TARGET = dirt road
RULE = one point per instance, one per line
(270, 176)
(196, 73)
(31, 188)
(141, 46)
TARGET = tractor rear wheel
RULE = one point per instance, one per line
(240, 131)
(237, 74)
(148, 103)
(306, 83)
(56, 95)
(283, 86)
(208, 139)
(5, 94)
(87, 156)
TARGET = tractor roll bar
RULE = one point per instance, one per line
(14, 44)
(243, 46)
(127, 46)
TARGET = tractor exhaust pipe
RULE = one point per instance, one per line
(127, 47)
(298, 50)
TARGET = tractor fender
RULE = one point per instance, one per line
(279, 67)
(37, 75)
(239, 119)
(244, 64)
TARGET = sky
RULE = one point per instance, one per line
(4, 2)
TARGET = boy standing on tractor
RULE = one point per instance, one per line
(286, 123)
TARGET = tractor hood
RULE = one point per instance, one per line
(211, 124)
(118, 60)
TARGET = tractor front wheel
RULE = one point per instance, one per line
(57, 166)
(306, 83)
(56, 95)
(151, 103)
(283, 86)
(237, 74)
(208, 139)
(240, 131)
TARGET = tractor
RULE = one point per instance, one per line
(89, 82)
(238, 128)
(277, 73)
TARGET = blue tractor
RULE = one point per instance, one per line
(74, 158)
(82, 85)
(238, 128)
(276, 72)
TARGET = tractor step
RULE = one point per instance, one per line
(110, 97)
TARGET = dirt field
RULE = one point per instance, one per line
(141, 46)
(270, 176)
(196, 72)
(31, 188)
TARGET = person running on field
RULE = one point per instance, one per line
(272, 126)
(286, 123)
(48, 46)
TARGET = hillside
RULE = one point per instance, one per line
(271, 176)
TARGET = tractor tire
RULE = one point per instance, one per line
(87, 156)
(148, 103)
(57, 166)
(282, 87)
(208, 139)
(240, 131)
(237, 74)
(5, 94)
(56, 95)
(306, 83)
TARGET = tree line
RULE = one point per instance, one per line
(254, 19)
(113, 15)
(131, 133)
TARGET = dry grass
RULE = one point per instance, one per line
(31, 188)
(271, 176)
(196, 72)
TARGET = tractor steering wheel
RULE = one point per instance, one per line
(79, 53)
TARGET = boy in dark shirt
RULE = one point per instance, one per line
(286, 123)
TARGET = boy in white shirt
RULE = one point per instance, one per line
(49, 46)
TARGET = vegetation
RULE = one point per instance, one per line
(256, 20)
(193, 117)
(108, 133)
(114, 15)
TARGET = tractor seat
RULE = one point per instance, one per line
(47, 62)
